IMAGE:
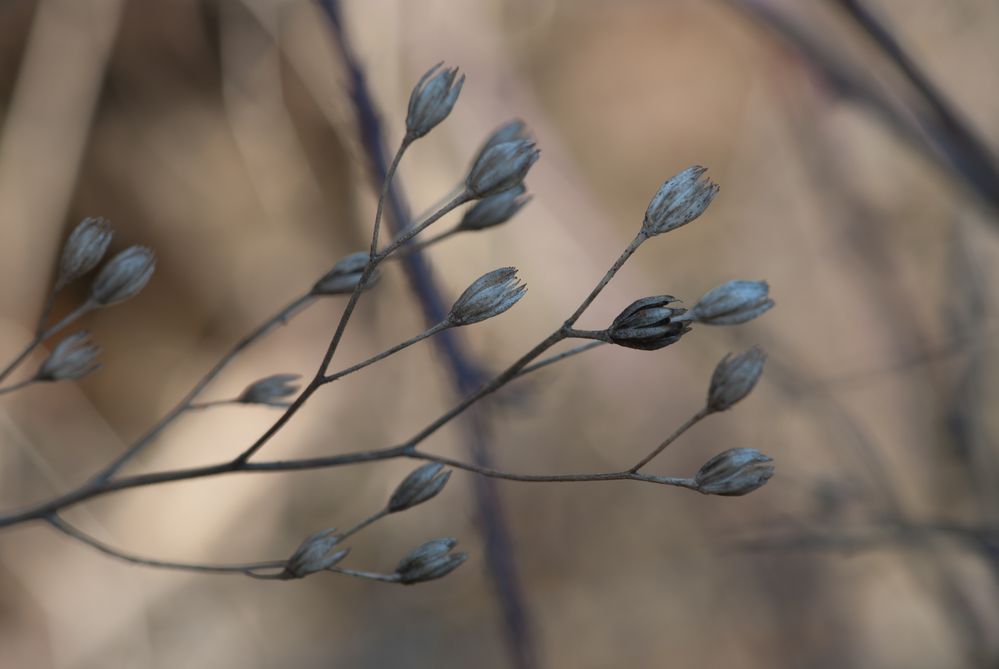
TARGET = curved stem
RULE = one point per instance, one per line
(17, 386)
(369, 575)
(248, 569)
(544, 362)
(623, 258)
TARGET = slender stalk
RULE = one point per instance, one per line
(623, 258)
(17, 386)
(369, 575)
(41, 336)
(373, 518)
(248, 569)
(421, 244)
(544, 362)
(384, 354)
(285, 314)
(691, 422)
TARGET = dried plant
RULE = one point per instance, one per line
(495, 190)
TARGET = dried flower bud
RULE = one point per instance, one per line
(501, 167)
(732, 303)
(509, 131)
(269, 390)
(315, 554)
(432, 99)
(737, 471)
(489, 295)
(72, 358)
(422, 484)
(429, 561)
(649, 324)
(345, 275)
(679, 201)
(84, 248)
(734, 378)
(123, 276)
(495, 209)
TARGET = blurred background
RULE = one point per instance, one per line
(853, 146)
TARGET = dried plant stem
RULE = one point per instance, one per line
(386, 353)
(42, 335)
(249, 569)
(282, 317)
(17, 386)
(623, 258)
(422, 244)
(544, 362)
(370, 575)
(691, 422)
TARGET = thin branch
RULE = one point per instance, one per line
(248, 569)
(369, 575)
(544, 362)
(17, 386)
(691, 422)
(386, 353)
(41, 337)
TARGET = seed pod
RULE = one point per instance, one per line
(84, 248)
(423, 483)
(432, 99)
(345, 276)
(501, 167)
(732, 303)
(737, 471)
(315, 554)
(488, 296)
(734, 378)
(649, 324)
(123, 276)
(509, 131)
(269, 390)
(429, 561)
(680, 200)
(495, 209)
(72, 358)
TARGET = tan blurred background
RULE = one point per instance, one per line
(220, 133)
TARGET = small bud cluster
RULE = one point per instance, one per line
(737, 471)
(84, 249)
(734, 378)
(345, 276)
(432, 99)
(72, 358)
(679, 201)
(488, 296)
(124, 276)
(429, 561)
(649, 324)
(732, 303)
(495, 209)
(270, 390)
(315, 554)
(422, 484)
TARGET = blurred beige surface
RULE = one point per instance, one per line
(220, 134)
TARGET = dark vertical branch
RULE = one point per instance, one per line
(466, 375)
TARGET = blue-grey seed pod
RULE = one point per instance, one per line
(423, 483)
(345, 276)
(501, 167)
(488, 296)
(84, 249)
(315, 554)
(429, 561)
(495, 209)
(432, 99)
(732, 303)
(508, 132)
(734, 378)
(72, 358)
(269, 390)
(649, 324)
(680, 200)
(737, 471)
(123, 276)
